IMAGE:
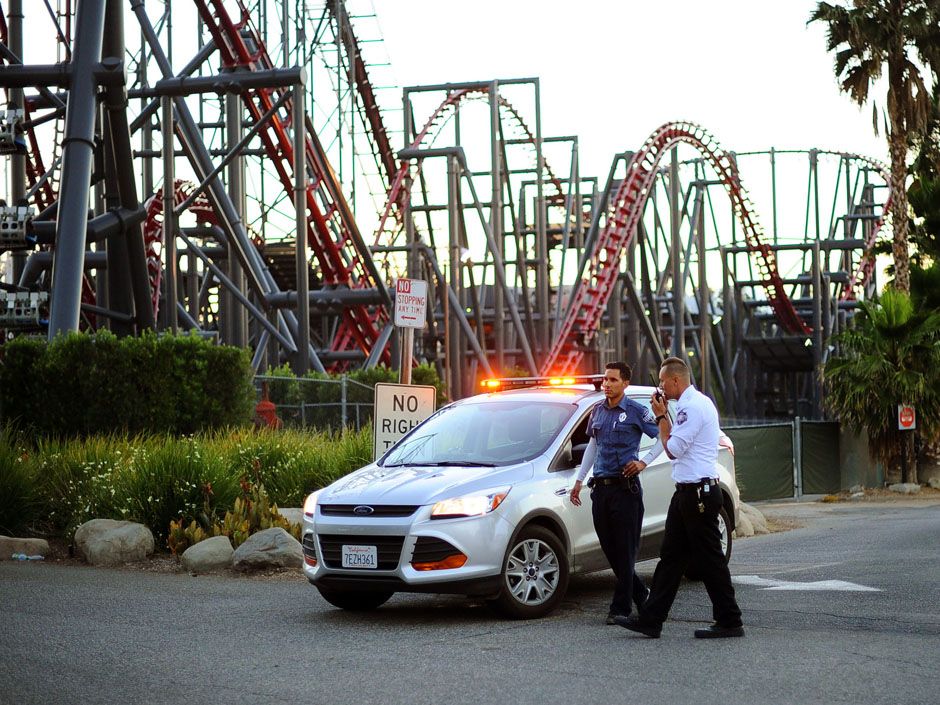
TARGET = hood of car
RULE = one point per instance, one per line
(418, 485)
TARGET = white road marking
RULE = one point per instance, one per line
(772, 584)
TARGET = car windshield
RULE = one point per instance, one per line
(488, 433)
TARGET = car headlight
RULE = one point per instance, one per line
(469, 505)
(310, 504)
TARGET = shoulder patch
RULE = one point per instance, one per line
(648, 416)
(681, 418)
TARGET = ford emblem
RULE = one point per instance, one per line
(362, 509)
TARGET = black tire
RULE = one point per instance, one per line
(724, 524)
(355, 600)
(534, 578)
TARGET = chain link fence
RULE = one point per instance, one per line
(324, 404)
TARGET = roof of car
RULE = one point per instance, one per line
(573, 393)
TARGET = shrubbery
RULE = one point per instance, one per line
(80, 384)
(51, 486)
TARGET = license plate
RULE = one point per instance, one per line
(357, 556)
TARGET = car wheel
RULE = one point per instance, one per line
(535, 575)
(692, 572)
(355, 600)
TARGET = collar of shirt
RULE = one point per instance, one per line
(622, 404)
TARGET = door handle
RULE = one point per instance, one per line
(561, 491)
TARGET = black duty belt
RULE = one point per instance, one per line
(619, 481)
(692, 486)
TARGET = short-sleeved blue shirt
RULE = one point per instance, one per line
(617, 432)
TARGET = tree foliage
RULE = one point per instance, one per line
(890, 355)
(871, 38)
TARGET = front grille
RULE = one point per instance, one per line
(429, 549)
(378, 510)
(310, 546)
(388, 549)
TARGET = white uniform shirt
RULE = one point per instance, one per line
(693, 442)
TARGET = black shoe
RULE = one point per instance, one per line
(612, 618)
(634, 624)
(716, 631)
(640, 600)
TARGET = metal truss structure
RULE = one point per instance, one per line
(228, 195)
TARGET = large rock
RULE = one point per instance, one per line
(209, 555)
(934, 482)
(31, 547)
(756, 518)
(743, 528)
(109, 542)
(905, 488)
(271, 548)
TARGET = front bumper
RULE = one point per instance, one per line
(482, 539)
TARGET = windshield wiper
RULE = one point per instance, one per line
(444, 463)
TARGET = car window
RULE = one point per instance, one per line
(564, 460)
(490, 433)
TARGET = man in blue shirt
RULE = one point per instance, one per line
(615, 428)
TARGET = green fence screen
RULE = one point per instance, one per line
(763, 459)
(820, 457)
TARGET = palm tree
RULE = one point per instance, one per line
(890, 355)
(868, 38)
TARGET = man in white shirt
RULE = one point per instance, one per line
(691, 533)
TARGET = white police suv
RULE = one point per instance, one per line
(474, 501)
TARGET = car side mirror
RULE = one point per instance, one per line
(577, 453)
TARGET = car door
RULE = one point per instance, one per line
(579, 521)
(658, 486)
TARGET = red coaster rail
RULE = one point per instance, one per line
(332, 232)
(592, 294)
(153, 230)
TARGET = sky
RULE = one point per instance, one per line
(751, 72)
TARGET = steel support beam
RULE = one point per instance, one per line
(77, 157)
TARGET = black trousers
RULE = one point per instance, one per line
(618, 517)
(692, 537)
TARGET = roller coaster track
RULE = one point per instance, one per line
(590, 298)
(358, 76)
(332, 232)
(153, 230)
(862, 274)
(397, 193)
(45, 194)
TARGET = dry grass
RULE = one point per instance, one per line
(882, 494)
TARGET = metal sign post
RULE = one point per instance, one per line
(411, 301)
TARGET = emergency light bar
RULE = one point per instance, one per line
(497, 383)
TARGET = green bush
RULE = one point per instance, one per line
(291, 464)
(55, 484)
(19, 498)
(80, 384)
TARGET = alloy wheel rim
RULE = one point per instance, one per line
(532, 572)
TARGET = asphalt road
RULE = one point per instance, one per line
(73, 634)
